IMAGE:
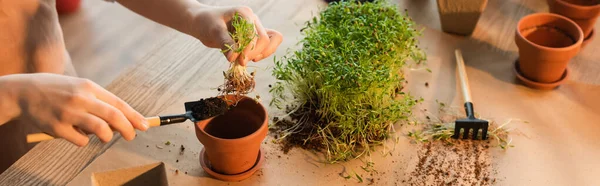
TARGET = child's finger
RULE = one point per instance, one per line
(275, 40)
(116, 112)
(229, 46)
(69, 133)
(94, 125)
(114, 117)
(262, 40)
(244, 57)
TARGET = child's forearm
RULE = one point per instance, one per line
(9, 107)
(177, 14)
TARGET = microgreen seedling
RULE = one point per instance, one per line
(237, 79)
(343, 88)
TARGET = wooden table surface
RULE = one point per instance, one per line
(557, 147)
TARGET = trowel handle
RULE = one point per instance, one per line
(152, 122)
(464, 83)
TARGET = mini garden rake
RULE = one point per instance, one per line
(469, 124)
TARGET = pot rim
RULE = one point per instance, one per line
(570, 47)
(263, 124)
(576, 6)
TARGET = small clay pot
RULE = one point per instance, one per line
(546, 43)
(583, 12)
(67, 6)
(460, 16)
(232, 140)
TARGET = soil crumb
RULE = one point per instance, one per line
(206, 108)
(464, 162)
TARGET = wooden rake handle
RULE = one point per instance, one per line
(462, 75)
(38, 137)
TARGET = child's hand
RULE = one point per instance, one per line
(69, 107)
(212, 26)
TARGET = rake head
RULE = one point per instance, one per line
(470, 128)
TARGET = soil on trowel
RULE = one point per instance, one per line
(464, 162)
(209, 107)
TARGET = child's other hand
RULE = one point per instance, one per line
(212, 26)
(69, 107)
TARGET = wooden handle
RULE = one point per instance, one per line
(38, 137)
(462, 75)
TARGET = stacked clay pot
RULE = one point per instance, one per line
(583, 12)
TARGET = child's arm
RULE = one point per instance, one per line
(8, 103)
(209, 24)
(177, 14)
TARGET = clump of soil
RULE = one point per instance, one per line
(464, 162)
(303, 127)
(209, 107)
(238, 82)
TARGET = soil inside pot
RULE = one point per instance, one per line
(548, 36)
(237, 122)
(584, 2)
(209, 107)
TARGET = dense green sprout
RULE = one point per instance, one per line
(343, 88)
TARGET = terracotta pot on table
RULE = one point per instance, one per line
(546, 43)
(583, 12)
(232, 140)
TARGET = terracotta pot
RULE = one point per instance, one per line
(583, 12)
(460, 16)
(588, 39)
(546, 43)
(232, 140)
(67, 6)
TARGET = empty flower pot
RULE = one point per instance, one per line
(546, 43)
(583, 12)
(232, 140)
(460, 16)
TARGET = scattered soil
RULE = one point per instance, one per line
(206, 108)
(426, 84)
(465, 162)
(182, 149)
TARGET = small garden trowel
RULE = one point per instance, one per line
(154, 121)
(469, 123)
